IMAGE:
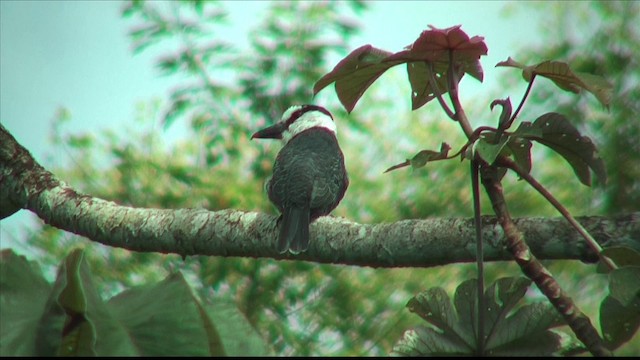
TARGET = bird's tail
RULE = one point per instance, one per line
(294, 230)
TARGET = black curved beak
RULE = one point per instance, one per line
(271, 132)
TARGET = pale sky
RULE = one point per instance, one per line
(77, 54)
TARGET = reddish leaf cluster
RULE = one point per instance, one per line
(428, 59)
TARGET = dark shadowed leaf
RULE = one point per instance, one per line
(520, 147)
(624, 284)
(560, 135)
(565, 78)
(435, 307)
(619, 323)
(622, 255)
(521, 151)
(509, 331)
(426, 341)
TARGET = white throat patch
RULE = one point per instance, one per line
(306, 121)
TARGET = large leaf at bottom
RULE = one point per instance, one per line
(70, 318)
(165, 319)
(509, 331)
(90, 329)
(23, 295)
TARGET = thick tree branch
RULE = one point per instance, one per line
(24, 184)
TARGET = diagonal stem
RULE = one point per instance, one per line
(524, 98)
(593, 244)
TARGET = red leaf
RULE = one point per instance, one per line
(435, 44)
(355, 73)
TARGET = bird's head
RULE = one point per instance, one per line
(296, 120)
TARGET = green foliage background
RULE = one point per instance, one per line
(302, 308)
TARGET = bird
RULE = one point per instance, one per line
(309, 175)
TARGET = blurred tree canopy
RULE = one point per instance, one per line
(302, 308)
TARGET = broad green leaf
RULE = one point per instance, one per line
(435, 307)
(502, 296)
(165, 319)
(508, 330)
(423, 341)
(558, 134)
(565, 78)
(465, 301)
(23, 295)
(230, 324)
(487, 150)
(619, 323)
(547, 343)
(90, 328)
